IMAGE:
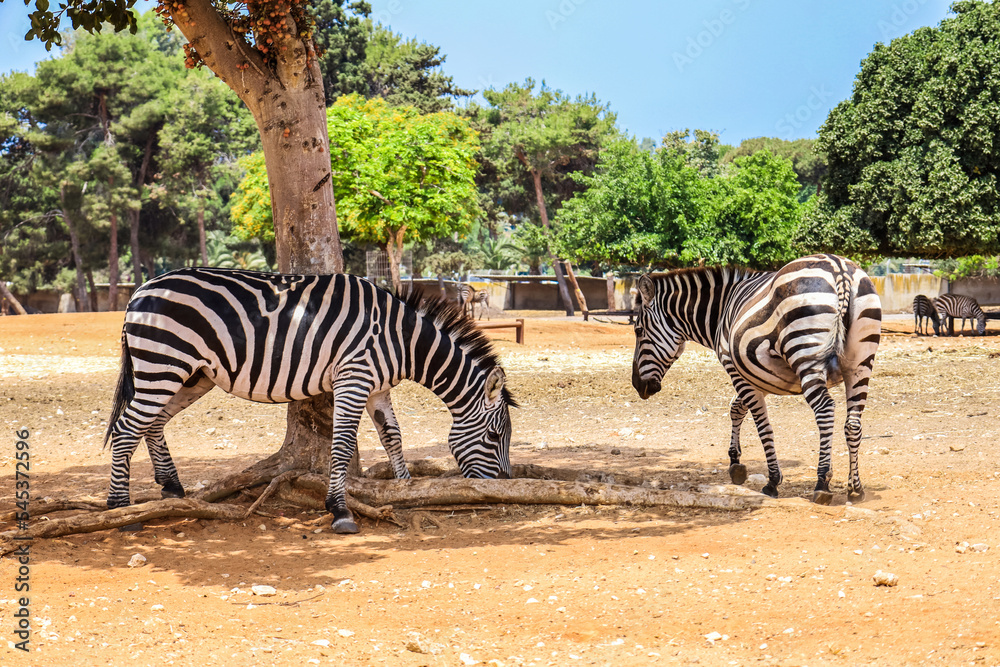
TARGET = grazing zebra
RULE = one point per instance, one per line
(954, 305)
(275, 338)
(923, 310)
(800, 330)
(469, 296)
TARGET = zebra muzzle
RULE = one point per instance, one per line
(646, 388)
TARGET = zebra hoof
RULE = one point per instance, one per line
(738, 473)
(822, 497)
(172, 492)
(344, 526)
(856, 496)
(131, 528)
(770, 490)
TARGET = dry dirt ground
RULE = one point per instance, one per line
(513, 585)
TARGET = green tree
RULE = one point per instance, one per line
(702, 151)
(208, 130)
(405, 72)
(265, 52)
(748, 217)
(636, 209)
(913, 157)
(542, 133)
(400, 176)
(809, 164)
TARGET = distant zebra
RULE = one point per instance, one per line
(275, 338)
(954, 305)
(924, 311)
(468, 296)
(800, 330)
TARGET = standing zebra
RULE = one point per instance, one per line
(924, 310)
(954, 305)
(275, 338)
(806, 327)
(469, 296)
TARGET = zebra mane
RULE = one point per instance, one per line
(457, 325)
(738, 272)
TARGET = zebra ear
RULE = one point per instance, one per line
(494, 385)
(646, 289)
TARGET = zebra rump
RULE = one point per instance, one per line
(276, 338)
(810, 325)
(924, 310)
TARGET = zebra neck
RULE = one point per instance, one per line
(438, 360)
(698, 299)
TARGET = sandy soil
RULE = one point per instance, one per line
(505, 585)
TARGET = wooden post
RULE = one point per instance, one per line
(610, 277)
(576, 288)
(5, 294)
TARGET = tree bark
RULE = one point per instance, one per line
(289, 107)
(14, 303)
(113, 258)
(82, 303)
(134, 214)
(580, 299)
(202, 238)
(93, 291)
(536, 177)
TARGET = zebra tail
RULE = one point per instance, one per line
(124, 391)
(834, 352)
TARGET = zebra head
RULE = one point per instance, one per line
(480, 435)
(658, 342)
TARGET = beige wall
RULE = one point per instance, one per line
(898, 289)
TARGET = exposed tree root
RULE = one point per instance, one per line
(374, 498)
(418, 492)
(90, 522)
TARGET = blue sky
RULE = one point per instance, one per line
(742, 68)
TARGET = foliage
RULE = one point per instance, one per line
(701, 152)
(229, 252)
(530, 244)
(749, 217)
(913, 156)
(635, 210)
(251, 204)
(809, 164)
(399, 176)
(966, 267)
(658, 210)
(526, 130)
(407, 73)
(341, 35)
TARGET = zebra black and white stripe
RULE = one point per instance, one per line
(469, 296)
(924, 311)
(812, 324)
(275, 338)
(955, 305)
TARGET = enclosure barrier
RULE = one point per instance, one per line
(517, 325)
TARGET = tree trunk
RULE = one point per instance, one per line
(14, 303)
(93, 291)
(394, 248)
(536, 176)
(113, 260)
(580, 299)
(134, 214)
(82, 304)
(288, 105)
(202, 240)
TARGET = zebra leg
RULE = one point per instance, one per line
(350, 395)
(737, 412)
(753, 400)
(818, 397)
(164, 470)
(381, 412)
